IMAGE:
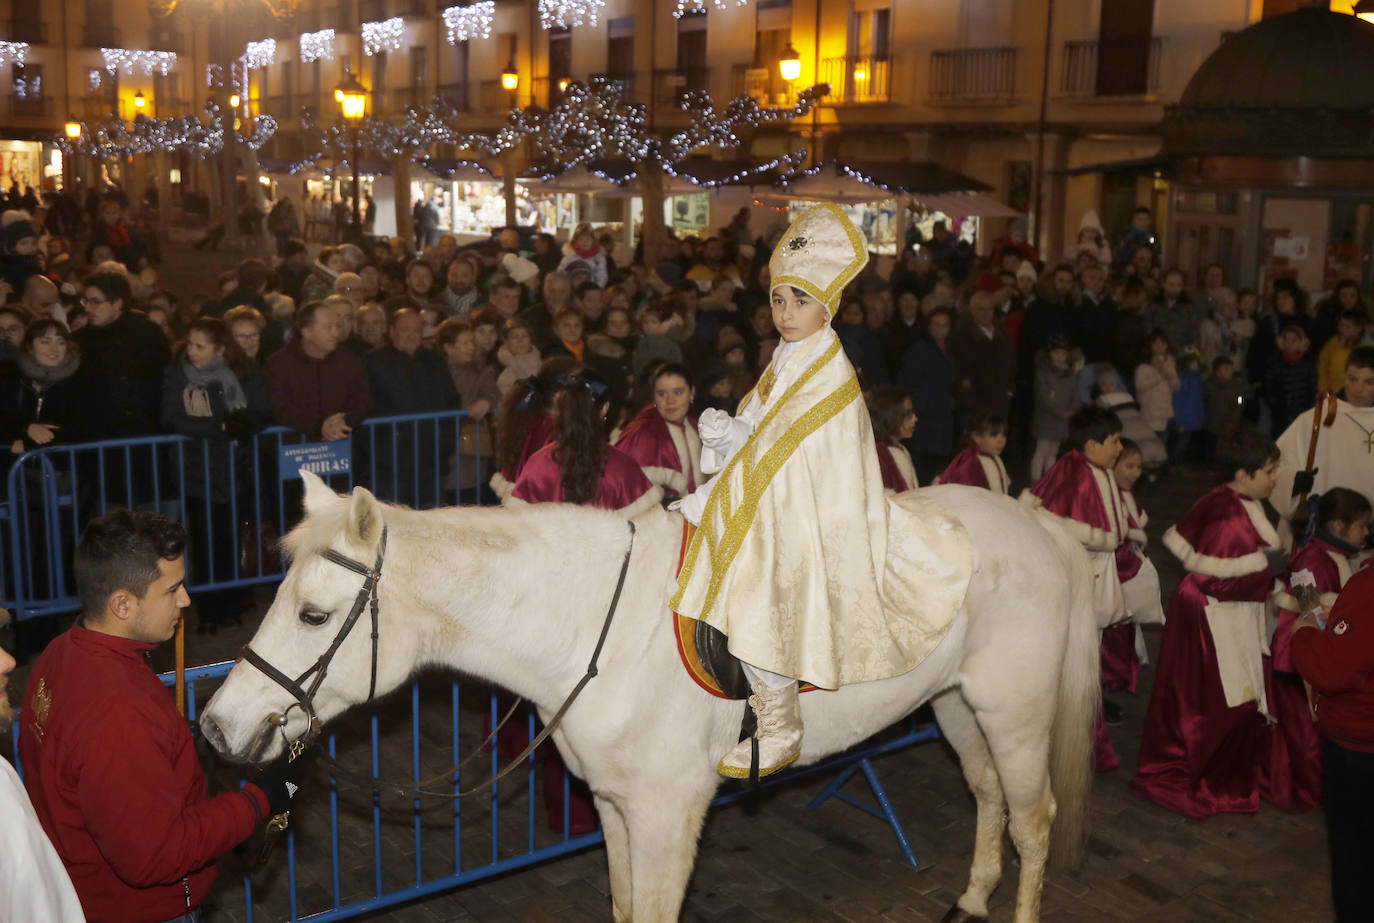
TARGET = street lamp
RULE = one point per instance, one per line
(510, 77)
(139, 101)
(234, 100)
(1365, 10)
(73, 129)
(789, 63)
(352, 97)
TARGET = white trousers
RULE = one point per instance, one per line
(771, 680)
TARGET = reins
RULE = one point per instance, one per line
(367, 596)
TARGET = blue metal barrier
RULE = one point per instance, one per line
(232, 495)
(448, 844)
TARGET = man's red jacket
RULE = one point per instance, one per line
(1339, 663)
(112, 772)
(306, 391)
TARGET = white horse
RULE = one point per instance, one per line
(518, 597)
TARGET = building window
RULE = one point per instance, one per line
(773, 33)
(691, 50)
(1124, 43)
(620, 47)
(28, 82)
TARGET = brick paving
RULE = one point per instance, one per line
(770, 859)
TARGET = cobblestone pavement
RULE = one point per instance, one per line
(773, 860)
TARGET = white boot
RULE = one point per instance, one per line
(779, 733)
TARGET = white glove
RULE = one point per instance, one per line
(714, 428)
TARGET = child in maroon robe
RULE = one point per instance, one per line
(525, 423)
(1337, 524)
(894, 421)
(663, 436)
(979, 464)
(1123, 649)
(1206, 735)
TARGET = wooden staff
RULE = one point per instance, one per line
(1323, 416)
(181, 665)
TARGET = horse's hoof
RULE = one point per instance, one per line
(958, 914)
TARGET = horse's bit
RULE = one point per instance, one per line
(367, 596)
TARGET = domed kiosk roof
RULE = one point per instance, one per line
(1298, 84)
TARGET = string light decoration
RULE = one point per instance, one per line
(317, 46)
(260, 54)
(467, 22)
(13, 52)
(387, 35)
(113, 137)
(131, 61)
(692, 7)
(564, 14)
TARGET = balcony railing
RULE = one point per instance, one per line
(99, 107)
(670, 85)
(456, 95)
(171, 106)
(491, 97)
(1133, 67)
(547, 92)
(100, 35)
(33, 31)
(30, 106)
(764, 84)
(973, 75)
(395, 101)
(866, 79)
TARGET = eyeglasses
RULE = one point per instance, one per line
(248, 336)
(87, 302)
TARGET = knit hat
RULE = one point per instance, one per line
(820, 254)
(17, 230)
(1027, 271)
(519, 268)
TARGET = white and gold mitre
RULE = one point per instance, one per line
(820, 254)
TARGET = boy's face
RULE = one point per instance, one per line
(1292, 343)
(1224, 372)
(1059, 358)
(991, 443)
(569, 329)
(797, 315)
(1104, 454)
(1247, 304)
(1127, 469)
(1349, 331)
(1256, 485)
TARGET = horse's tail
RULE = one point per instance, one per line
(1075, 716)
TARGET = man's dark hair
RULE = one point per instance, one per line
(1140, 210)
(252, 273)
(1243, 448)
(1009, 250)
(1361, 357)
(293, 246)
(113, 285)
(121, 551)
(504, 282)
(1092, 424)
(1220, 362)
(305, 315)
(584, 287)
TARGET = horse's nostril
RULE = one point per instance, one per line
(212, 732)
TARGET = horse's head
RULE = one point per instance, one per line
(269, 696)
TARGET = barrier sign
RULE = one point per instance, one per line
(322, 458)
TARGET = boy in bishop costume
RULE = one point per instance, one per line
(1205, 732)
(791, 559)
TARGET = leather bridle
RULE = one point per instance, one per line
(366, 598)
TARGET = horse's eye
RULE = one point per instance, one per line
(312, 616)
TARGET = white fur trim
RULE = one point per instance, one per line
(1343, 570)
(1210, 566)
(1090, 537)
(500, 486)
(512, 501)
(670, 478)
(1255, 511)
(648, 500)
(1138, 536)
(996, 474)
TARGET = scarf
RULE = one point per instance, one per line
(196, 398)
(1339, 544)
(42, 377)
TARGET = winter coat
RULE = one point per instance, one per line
(986, 368)
(1225, 403)
(125, 360)
(928, 373)
(1154, 392)
(1290, 388)
(1056, 398)
(865, 352)
(1179, 321)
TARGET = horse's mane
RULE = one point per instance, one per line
(489, 528)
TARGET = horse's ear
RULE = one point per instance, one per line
(318, 495)
(364, 518)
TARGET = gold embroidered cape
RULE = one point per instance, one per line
(800, 558)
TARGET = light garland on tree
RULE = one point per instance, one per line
(387, 35)
(692, 7)
(564, 14)
(260, 54)
(316, 46)
(132, 60)
(113, 137)
(13, 52)
(466, 22)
